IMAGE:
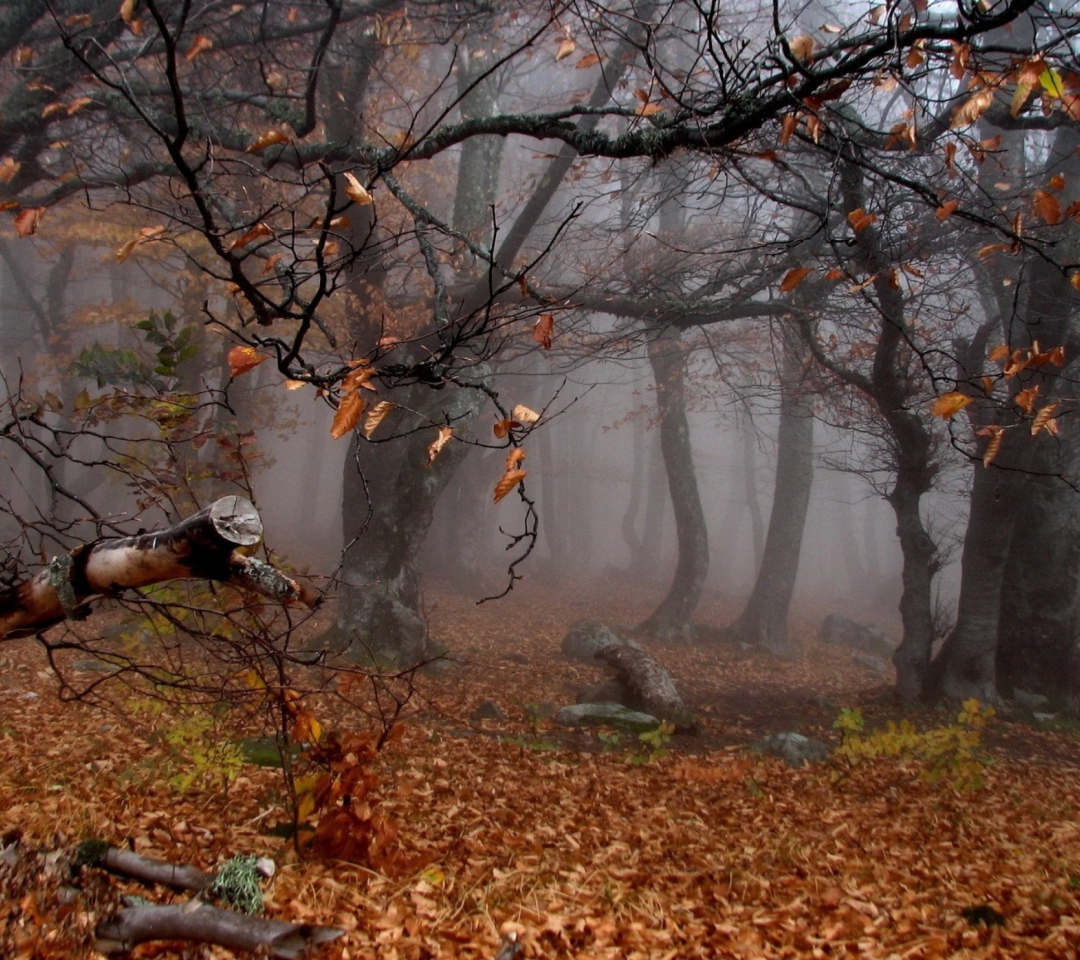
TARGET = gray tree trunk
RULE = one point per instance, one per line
(764, 620)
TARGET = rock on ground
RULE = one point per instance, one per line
(585, 639)
(858, 636)
(793, 748)
(606, 715)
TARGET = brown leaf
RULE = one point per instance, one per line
(507, 482)
(356, 191)
(1057, 182)
(503, 428)
(244, 358)
(993, 248)
(257, 232)
(1047, 208)
(9, 167)
(200, 44)
(947, 209)
(794, 277)
(1025, 399)
(436, 445)
(802, 48)
(1044, 420)
(972, 108)
(835, 274)
(378, 414)
(996, 435)
(566, 48)
(948, 405)
(999, 353)
(77, 104)
(787, 127)
(347, 415)
(589, 60)
(268, 139)
(514, 457)
(543, 329)
(127, 10)
(26, 221)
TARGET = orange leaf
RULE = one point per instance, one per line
(503, 427)
(355, 190)
(1047, 207)
(295, 384)
(802, 48)
(1057, 182)
(794, 277)
(996, 434)
(9, 167)
(947, 209)
(787, 127)
(1044, 420)
(973, 108)
(378, 414)
(543, 329)
(436, 446)
(514, 457)
(999, 353)
(77, 104)
(348, 414)
(860, 219)
(835, 274)
(257, 232)
(589, 60)
(1025, 399)
(244, 358)
(993, 248)
(509, 480)
(268, 139)
(199, 45)
(127, 10)
(948, 405)
(26, 221)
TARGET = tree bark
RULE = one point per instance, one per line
(673, 618)
(202, 546)
(764, 620)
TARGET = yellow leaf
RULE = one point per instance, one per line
(566, 48)
(948, 405)
(200, 44)
(348, 414)
(436, 446)
(355, 191)
(507, 482)
(1050, 80)
(127, 10)
(295, 384)
(244, 358)
(794, 277)
(268, 139)
(524, 414)
(378, 414)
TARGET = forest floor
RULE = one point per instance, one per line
(583, 846)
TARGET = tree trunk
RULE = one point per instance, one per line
(673, 618)
(763, 622)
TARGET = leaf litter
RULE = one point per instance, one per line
(558, 836)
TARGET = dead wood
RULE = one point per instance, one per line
(127, 863)
(649, 682)
(202, 546)
(201, 923)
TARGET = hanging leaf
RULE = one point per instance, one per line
(947, 209)
(356, 191)
(794, 277)
(507, 482)
(524, 414)
(948, 405)
(377, 415)
(244, 358)
(860, 219)
(436, 446)
(543, 329)
(994, 248)
(802, 48)
(295, 384)
(268, 139)
(1044, 420)
(972, 108)
(26, 221)
(9, 167)
(1057, 182)
(787, 127)
(566, 48)
(1025, 399)
(1047, 208)
(347, 415)
(996, 434)
(999, 353)
(200, 44)
(514, 457)
(127, 10)
(589, 60)
(835, 274)
(360, 374)
(257, 232)
(503, 428)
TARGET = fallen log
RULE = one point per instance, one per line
(199, 922)
(650, 684)
(127, 863)
(202, 546)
